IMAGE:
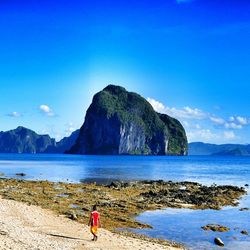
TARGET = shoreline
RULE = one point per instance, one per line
(25, 227)
(119, 202)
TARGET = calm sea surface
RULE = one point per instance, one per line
(182, 225)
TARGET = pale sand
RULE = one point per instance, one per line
(30, 227)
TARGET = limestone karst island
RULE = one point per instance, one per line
(122, 122)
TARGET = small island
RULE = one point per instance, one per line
(119, 122)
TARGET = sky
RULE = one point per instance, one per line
(189, 58)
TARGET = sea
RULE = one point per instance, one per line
(181, 225)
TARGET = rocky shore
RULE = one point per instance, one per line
(119, 202)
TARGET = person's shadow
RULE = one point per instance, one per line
(63, 236)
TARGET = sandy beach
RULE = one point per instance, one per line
(31, 227)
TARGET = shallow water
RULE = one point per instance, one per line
(183, 225)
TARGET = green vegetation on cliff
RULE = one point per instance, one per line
(128, 106)
(122, 122)
(177, 144)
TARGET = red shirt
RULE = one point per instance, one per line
(94, 218)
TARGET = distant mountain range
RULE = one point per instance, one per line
(200, 148)
(23, 140)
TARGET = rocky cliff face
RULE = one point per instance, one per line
(23, 140)
(177, 144)
(122, 122)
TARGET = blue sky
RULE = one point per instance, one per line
(191, 59)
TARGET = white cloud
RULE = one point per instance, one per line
(197, 126)
(229, 135)
(231, 119)
(69, 129)
(157, 106)
(242, 120)
(186, 112)
(232, 125)
(14, 114)
(206, 135)
(217, 120)
(192, 113)
(186, 124)
(202, 135)
(191, 125)
(233, 122)
(45, 109)
(222, 132)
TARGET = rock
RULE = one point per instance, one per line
(106, 204)
(244, 232)
(122, 122)
(193, 194)
(20, 174)
(86, 209)
(115, 184)
(244, 209)
(79, 213)
(3, 232)
(72, 215)
(246, 185)
(216, 228)
(219, 242)
(122, 184)
(2, 174)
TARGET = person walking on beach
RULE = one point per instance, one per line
(94, 222)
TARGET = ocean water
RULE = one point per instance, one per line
(182, 225)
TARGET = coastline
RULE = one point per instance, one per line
(31, 227)
(118, 202)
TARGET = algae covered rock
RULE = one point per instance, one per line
(244, 232)
(216, 228)
(122, 122)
